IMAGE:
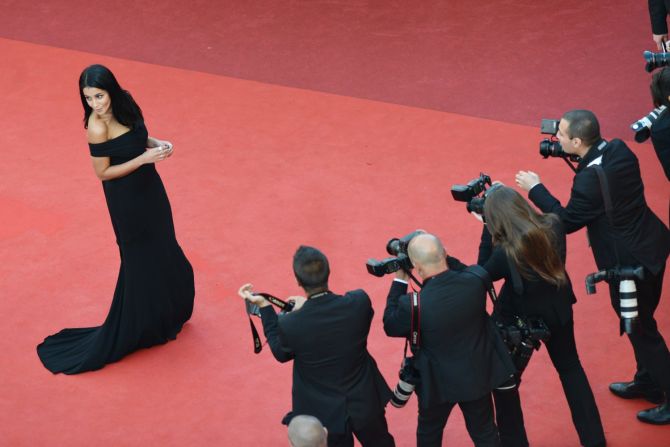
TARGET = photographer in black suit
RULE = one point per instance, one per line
(335, 379)
(460, 357)
(660, 130)
(632, 235)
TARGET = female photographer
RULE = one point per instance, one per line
(527, 249)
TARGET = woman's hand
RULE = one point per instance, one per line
(154, 155)
(160, 144)
(167, 146)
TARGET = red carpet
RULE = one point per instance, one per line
(514, 61)
(259, 169)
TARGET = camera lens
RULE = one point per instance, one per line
(393, 247)
(401, 393)
(549, 148)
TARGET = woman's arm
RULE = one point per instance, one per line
(102, 168)
(493, 259)
(485, 246)
(97, 133)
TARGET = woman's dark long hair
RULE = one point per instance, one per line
(525, 235)
(125, 109)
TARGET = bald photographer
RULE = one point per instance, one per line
(458, 357)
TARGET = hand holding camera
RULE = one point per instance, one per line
(246, 292)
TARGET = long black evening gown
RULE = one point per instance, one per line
(154, 291)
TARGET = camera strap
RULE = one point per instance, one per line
(258, 346)
(481, 273)
(607, 202)
(415, 325)
(284, 305)
(415, 333)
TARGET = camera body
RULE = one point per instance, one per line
(474, 193)
(476, 186)
(522, 337)
(397, 248)
(388, 265)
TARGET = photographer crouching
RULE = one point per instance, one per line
(626, 237)
(528, 250)
(335, 378)
(458, 356)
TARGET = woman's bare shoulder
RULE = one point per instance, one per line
(96, 131)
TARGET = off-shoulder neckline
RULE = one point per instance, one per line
(118, 136)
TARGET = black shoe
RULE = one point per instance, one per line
(658, 415)
(634, 390)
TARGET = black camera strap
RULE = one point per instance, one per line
(413, 278)
(258, 346)
(481, 273)
(283, 305)
(607, 202)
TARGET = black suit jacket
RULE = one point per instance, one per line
(334, 376)
(658, 11)
(660, 138)
(461, 356)
(528, 296)
(637, 233)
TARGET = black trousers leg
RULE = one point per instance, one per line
(585, 416)
(509, 416)
(651, 351)
(341, 439)
(478, 415)
(431, 425)
(375, 433)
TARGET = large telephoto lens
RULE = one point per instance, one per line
(401, 394)
(628, 305)
(642, 127)
(655, 60)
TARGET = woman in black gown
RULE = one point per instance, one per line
(154, 291)
(527, 249)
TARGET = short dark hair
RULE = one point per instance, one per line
(660, 87)
(583, 124)
(310, 267)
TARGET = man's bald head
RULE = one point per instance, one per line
(306, 431)
(427, 254)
